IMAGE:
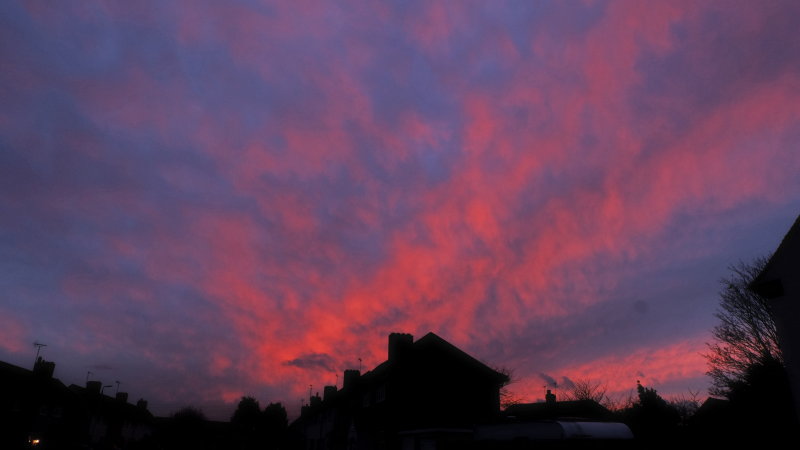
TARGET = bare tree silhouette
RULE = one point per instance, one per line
(746, 336)
(586, 389)
(507, 397)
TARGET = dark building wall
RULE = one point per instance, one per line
(431, 386)
(33, 405)
(424, 384)
(400, 346)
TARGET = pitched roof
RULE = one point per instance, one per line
(19, 379)
(432, 342)
(766, 283)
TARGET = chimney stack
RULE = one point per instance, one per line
(550, 398)
(351, 377)
(122, 397)
(44, 369)
(400, 346)
(93, 387)
(328, 393)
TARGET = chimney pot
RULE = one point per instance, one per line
(399, 346)
(328, 393)
(44, 369)
(351, 377)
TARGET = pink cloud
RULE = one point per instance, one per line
(336, 197)
(618, 373)
(13, 335)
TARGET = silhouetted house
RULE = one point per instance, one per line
(37, 409)
(780, 282)
(426, 393)
(112, 421)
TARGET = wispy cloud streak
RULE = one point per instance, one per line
(256, 193)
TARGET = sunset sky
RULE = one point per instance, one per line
(207, 199)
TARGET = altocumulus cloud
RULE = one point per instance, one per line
(217, 199)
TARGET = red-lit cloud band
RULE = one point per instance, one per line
(216, 200)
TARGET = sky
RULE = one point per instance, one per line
(205, 200)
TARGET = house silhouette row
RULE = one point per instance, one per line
(429, 394)
(426, 390)
(38, 410)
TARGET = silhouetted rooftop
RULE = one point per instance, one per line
(583, 409)
(432, 343)
(765, 284)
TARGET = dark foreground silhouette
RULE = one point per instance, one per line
(428, 394)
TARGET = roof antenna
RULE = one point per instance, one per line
(38, 346)
(117, 388)
(88, 372)
(359, 365)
